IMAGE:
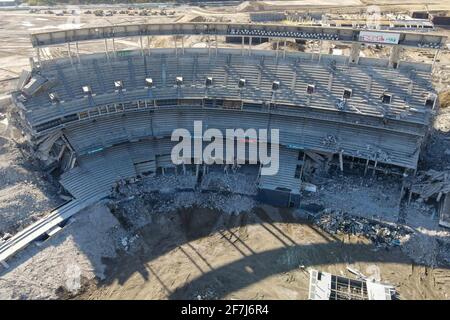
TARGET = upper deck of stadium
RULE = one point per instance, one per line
(275, 31)
(409, 85)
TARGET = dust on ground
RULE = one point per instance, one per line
(199, 245)
(199, 253)
(26, 191)
(154, 242)
(63, 264)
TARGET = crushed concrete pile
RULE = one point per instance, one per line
(161, 194)
(431, 183)
(381, 234)
(237, 183)
(165, 183)
(428, 247)
(164, 202)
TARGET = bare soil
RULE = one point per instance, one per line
(200, 253)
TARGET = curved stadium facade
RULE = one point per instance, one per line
(105, 117)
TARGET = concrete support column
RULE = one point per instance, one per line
(69, 52)
(250, 46)
(148, 44)
(354, 53)
(434, 59)
(242, 46)
(175, 42)
(106, 49)
(38, 55)
(320, 50)
(78, 52)
(278, 45)
(114, 48)
(394, 58)
(284, 49)
(142, 45)
(209, 45)
(217, 46)
(182, 45)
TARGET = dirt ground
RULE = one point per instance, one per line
(264, 254)
(199, 253)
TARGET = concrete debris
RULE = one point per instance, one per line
(357, 273)
(5, 237)
(377, 154)
(330, 141)
(430, 183)
(26, 191)
(207, 294)
(381, 234)
(128, 241)
(237, 183)
(340, 104)
(309, 187)
(164, 194)
(315, 156)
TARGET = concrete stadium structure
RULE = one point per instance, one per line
(105, 117)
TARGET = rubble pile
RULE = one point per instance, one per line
(4, 237)
(160, 202)
(206, 294)
(431, 183)
(374, 153)
(330, 141)
(153, 184)
(142, 198)
(238, 183)
(381, 234)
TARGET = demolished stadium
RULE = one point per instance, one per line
(107, 117)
